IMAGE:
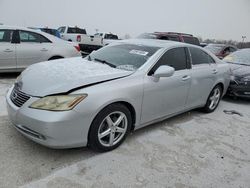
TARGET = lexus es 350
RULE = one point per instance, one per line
(122, 87)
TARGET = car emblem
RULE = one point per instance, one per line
(19, 85)
(14, 96)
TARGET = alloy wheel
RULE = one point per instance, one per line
(112, 129)
(214, 98)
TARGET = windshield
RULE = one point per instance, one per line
(124, 56)
(215, 49)
(239, 57)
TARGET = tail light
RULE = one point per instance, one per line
(102, 41)
(78, 38)
(77, 48)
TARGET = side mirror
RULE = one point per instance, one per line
(164, 71)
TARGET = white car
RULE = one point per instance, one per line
(107, 37)
(21, 47)
(87, 43)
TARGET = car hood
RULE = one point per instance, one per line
(64, 75)
(240, 70)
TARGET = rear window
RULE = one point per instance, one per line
(200, 57)
(76, 30)
(191, 40)
(111, 36)
(147, 36)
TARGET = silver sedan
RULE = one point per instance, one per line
(122, 87)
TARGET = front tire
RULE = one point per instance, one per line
(213, 99)
(110, 128)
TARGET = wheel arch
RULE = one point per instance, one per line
(126, 104)
(221, 85)
(55, 57)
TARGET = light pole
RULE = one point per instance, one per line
(243, 39)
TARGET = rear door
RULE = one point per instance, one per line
(204, 74)
(7, 50)
(33, 48)
(167, 95)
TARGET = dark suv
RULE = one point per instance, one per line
(180, 37)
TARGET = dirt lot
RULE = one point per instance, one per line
(190, 150)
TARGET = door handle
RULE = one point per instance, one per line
(44, 50)
(186, 77)
(215, 71)
(8, 50)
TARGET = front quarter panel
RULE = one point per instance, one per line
(128, 89)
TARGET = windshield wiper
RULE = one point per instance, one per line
(105, 62)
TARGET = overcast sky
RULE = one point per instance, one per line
(219, 19)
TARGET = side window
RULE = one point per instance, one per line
(226, 50)
(26, 36)
(6, 35)
(200, 57)
(174, 38)
(191, 40)
(231, 49)
(61, 29)
(175, 58)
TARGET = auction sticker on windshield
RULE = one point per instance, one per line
(139, 52)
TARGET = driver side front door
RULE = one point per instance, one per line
(167, 95)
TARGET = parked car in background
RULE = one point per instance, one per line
(21, 47)
(107, 37)
(124, 86)
(54, 32)
(179, 37)
(240, 78)
(202, 44)
(221, 50)
(87, 43)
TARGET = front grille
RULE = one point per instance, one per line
(18, 97)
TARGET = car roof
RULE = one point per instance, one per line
(173, 33)
(49, 36)
(157, 43)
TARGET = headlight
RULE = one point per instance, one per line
(234, 80)
(58, 103)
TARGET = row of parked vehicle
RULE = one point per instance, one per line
(21, 47)
(97, 100)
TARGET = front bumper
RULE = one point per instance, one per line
(67, 129)
(242, 91)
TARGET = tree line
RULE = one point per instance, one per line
(230, 42)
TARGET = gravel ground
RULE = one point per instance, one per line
(190, 150)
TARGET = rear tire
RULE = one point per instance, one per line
(213, 99)
(110, 128)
